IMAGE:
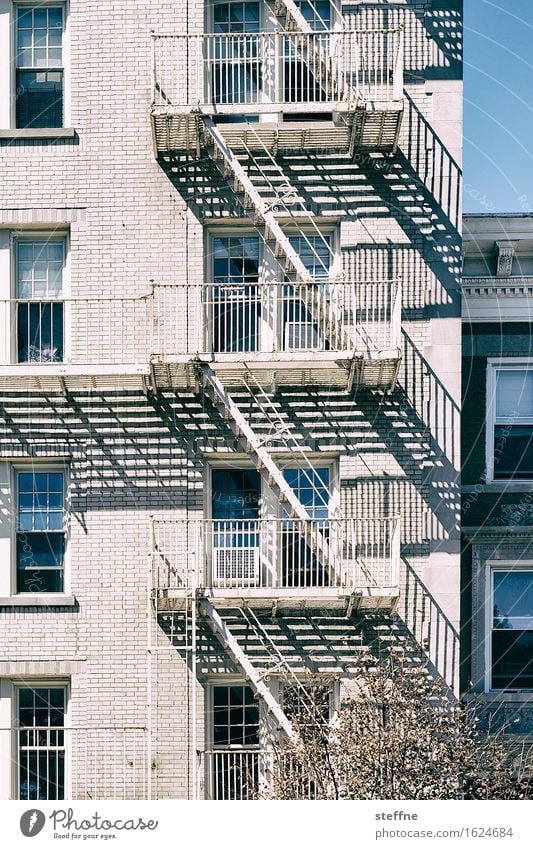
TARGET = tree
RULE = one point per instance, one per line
(398, 735)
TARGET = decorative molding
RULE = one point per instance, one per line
(511, 287)
(505, 258)
(503, 533)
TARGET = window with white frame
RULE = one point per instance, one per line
(511, 629)
(236, 67)
(234, 300)
(234, 758)
(510, 421)
(39, 65)
(251, 307)
(40, 531)
(40, 742)
(39, 292)
(300, 330)
(252, 543)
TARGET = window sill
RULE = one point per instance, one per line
(39, 133)
(38, 600)
(492, 696)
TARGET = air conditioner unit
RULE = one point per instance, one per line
(300, 335)
(236, 565)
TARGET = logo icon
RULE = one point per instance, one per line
(32, 822)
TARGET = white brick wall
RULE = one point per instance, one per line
(129, 226)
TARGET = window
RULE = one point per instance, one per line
(41, 742)
(235, 734)
(40, 548)
(236, 69)
(253, 544)
(300, 565)
(300, 332)
(39, 272)
(39, 65)
(236, 496)
(510, 422)
(302, 80)
(317, 13)
(236, 302)
(512, 629)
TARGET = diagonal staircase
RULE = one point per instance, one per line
(264, 219)
(267, 467)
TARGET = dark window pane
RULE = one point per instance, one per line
(40, 581)
(513, 600)
(35, 550)
(25, 697)
(39, 99)
(236, 695)
(236, 494)
(512, 660)
(40, 332)
(220, 695)
(57, 697)
(39, 562)
(513, 452)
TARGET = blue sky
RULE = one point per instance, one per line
(498, 141)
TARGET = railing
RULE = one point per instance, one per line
(273, 317)
(177, 320)
(351, 554)
(233, 774)
(77, 330)
(271, 71)
(78, 763)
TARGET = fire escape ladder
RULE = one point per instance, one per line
(278, 663)
(334, 83)
(267, 467)
(264, 219)
(230, 642)
(281, 432)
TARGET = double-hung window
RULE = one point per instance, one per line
(235, 303)
(511, 638)
(235, 734)
(300, 331)
(39, 83)
(39, 273)
(237, 64)
(236, 499)
(41, 742)
(40, 546)
(510, 422)
(301, 566)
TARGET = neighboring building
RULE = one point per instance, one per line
(229, 376)
(497, 475)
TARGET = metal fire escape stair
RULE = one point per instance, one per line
(267, 467)
(292, 20)
(274, 663)
(262, 216)
(369, 128)
(229, 641)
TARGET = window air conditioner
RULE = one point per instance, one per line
(236, 565)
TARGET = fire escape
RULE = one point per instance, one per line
(350, 83)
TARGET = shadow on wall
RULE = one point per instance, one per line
(433, 43)
(324, 642)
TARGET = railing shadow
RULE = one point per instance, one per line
(432, 401)
(430, 627)
(434, 165)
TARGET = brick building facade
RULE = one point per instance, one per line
(230, 375)
(497, 470)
